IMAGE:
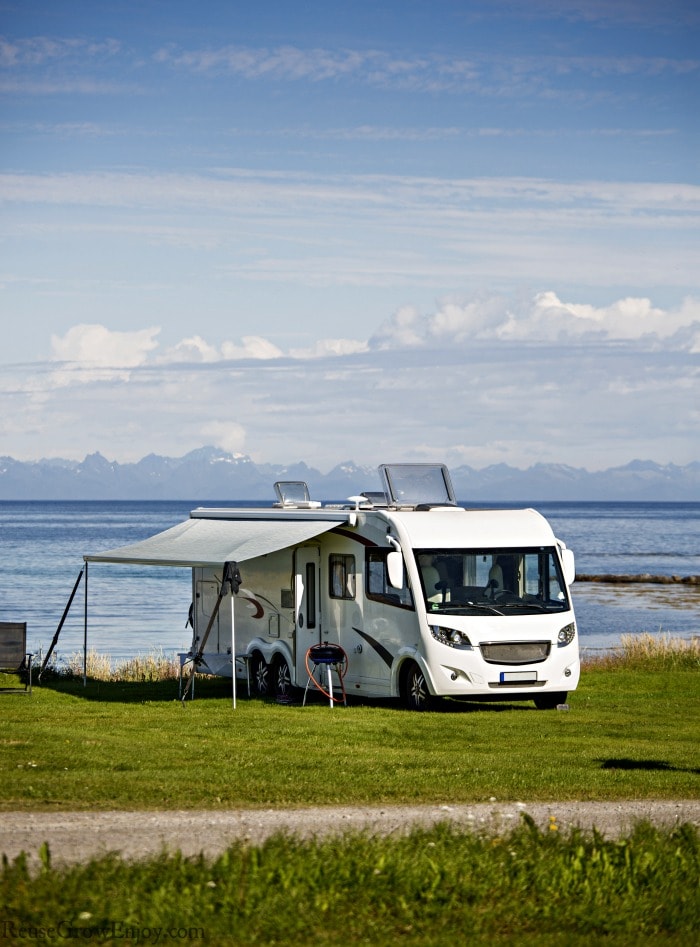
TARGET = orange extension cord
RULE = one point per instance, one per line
(341, 670)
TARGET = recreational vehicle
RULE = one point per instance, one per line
(422, 597)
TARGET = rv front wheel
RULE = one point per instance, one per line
(260, 674)
(414, 692)
(281, 679)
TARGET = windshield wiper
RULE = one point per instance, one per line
(464, 605)
(538, 605)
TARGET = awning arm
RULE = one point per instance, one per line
(231, 578)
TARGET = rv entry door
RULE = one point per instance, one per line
(307, 611)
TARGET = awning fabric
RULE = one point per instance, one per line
(211, 542)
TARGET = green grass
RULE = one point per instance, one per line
(429, 888)
(631, 733)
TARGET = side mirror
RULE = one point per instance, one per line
(567, 559)
(394, 569)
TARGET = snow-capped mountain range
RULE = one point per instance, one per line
(213, 474)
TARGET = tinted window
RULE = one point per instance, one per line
(377, 585)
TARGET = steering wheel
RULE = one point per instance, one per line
(505, 595)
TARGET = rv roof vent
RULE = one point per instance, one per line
(375, 497)
(413, 485)
(294, 493)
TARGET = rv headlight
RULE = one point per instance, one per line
(567, 634)
(450, 636)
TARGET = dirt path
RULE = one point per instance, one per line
(77, 836)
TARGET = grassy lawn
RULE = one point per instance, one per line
(630, 733)
(433, 887)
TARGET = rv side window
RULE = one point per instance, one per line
(341, 576)
(310, 595)
(377, 585)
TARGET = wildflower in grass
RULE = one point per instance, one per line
(553, 827)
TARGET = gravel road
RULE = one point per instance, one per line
(78, 836)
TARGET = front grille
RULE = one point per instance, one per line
(515, 652)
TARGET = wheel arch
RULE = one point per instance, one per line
(270, 650)
(400, 667)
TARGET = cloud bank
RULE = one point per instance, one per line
(93, 351)
(484, 381)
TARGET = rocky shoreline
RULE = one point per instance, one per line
(643, 578)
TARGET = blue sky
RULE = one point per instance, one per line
(450, 231)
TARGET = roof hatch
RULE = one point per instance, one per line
(420, 486)
(294, 493)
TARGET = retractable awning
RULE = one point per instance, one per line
(211, 542)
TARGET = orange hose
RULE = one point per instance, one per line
(341, 671)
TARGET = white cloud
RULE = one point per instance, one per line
(480, 382)
(543, 319)
(474, 320)
(405, 329)
(253, 347)
(374, 231)
(284, 62)
(626, 319)
(193, 349)
(487, 401)
(97, 345)
(38, 50)
(330, 347)
(196, 349)
(488, 74)
(228, 435)
(93, 352)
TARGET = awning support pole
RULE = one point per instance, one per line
(233, 651)
(230, 577)
(60, 625)
(85, 628)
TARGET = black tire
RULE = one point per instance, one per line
(259, 676)
(281, 680)
(414, 692)
(550, 701)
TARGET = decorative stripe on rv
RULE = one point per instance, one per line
(385, 655)
(348, 534)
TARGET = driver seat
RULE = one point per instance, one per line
(431, 577)
(495, 575)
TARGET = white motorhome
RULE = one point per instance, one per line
(425, 598)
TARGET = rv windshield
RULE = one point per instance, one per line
(492, 581)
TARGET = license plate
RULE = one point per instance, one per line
(518, 677)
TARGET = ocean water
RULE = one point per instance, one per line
(134, 610)
(631, 539)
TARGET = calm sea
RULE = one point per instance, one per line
(137, 610)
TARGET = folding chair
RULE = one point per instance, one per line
(14, 657)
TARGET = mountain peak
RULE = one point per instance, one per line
(211, 474)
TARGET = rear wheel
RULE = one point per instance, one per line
(281, 680)
(260, 675)
(414, 692)
(550, 701)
